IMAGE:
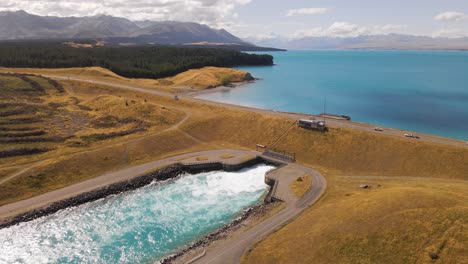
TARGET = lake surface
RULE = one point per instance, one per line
(422, 91)
(140, 226)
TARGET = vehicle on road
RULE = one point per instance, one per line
(378, 129)
(411, 136)
(313, 124)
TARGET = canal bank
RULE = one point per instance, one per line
(168, 169)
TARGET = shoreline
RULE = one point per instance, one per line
(167, 172)
(338, 117)
(161, 175)
(222, 233)
(217, 89)
(361, 126)
(358, 125)
(123, 180)
(140, 175)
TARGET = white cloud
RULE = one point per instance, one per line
(391, 27)
(450, 16)
(262, 37)
(346, 29)
(203, 11)
(307, 11)
(450, 33)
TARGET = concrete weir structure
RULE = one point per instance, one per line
(135, 177)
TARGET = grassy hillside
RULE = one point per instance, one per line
(195, 79)
(207, 77)
(395, 221)
(346, 150)
(400, 219)
(38, 117)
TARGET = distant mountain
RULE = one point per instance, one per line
(184, 32)
(24, 26)
(21, 25)
(390, 41)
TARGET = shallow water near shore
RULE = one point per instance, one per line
(139, 226)
(421, 91)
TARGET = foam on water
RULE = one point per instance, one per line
(138, 226)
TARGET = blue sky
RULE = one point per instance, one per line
(415, 17)
(269, 18)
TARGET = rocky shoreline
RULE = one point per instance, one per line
(169, 172)
(219, 234)
(221, 88)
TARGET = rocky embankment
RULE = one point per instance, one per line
(116, 188)
(220, 233)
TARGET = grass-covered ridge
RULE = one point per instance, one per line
(38, 115)
(132, 62)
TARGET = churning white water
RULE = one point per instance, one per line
(138, 226)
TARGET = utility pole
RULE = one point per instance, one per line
(324, 108)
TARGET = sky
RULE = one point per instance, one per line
(263, 19)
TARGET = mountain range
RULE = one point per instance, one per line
(379, 42)
(21, 25)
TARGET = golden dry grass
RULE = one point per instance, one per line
(227, 156)
(374, 154)
(94, 72)
(399, 222)
(204, 78)
(301, 185)
(237, 127)
(197, 78)
(70, 169)
(12, 84)
(341, 148)
(402, 221)
(202, 158)
(75, 114)
(6, 172)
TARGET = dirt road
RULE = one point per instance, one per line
(295, 116)
(231, 251)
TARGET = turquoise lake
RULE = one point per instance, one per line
(421, 91)
(139, 226)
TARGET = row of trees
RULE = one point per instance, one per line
(133, 62)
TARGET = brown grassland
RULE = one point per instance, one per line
(301, 185)
(195, 79)
(395, 221)
(207, 77)
(402, 221)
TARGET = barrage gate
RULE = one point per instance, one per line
(277, 154)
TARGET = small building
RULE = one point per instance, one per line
(313, 124)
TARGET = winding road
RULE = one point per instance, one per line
(330, 121)
(229, 251)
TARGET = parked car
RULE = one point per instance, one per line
(412, 136)
(378, 129)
